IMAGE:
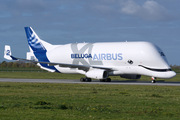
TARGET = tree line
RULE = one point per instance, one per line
(17, 64)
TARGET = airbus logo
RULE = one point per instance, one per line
(99, 57)
(85, 52)
(108, 56)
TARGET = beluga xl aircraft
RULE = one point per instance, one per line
(97, 60)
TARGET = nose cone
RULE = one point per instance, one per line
(170, 74)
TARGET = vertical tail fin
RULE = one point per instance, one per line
(36, 44)
(38, 49)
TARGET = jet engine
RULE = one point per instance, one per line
(97, 74)
(129, 76)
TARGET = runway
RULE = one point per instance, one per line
(114, 82)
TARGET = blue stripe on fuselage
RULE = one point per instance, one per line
(41, 56)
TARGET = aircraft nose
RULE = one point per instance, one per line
(171, 74)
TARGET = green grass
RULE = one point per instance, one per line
(84, 101)
(28, 101)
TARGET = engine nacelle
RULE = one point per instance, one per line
(97, 74)
(131, 76)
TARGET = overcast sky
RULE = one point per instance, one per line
(69, 21)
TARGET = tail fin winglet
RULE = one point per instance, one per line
(7, 52)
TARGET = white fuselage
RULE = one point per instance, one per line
(138, 58)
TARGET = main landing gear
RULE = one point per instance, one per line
(89, 80)
(105, 80)
(153, 79)
(85, 79)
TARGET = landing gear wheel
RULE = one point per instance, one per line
(153, 79)
(85, 79)
(108, 80)
(89, 80)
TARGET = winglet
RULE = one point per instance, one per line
(7, 52)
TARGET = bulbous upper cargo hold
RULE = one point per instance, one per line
(111, 54)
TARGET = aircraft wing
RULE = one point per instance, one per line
(80, 67)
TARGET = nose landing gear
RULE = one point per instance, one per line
(153, 79)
